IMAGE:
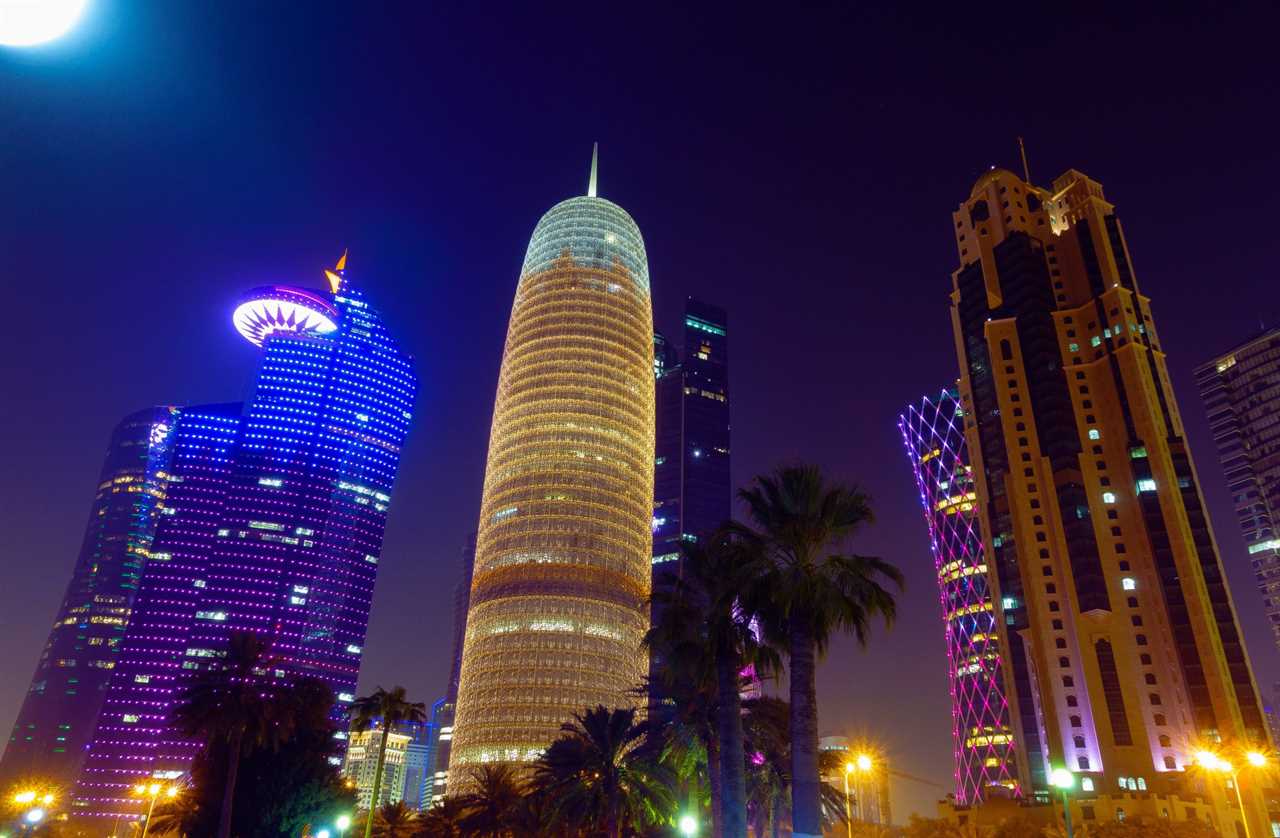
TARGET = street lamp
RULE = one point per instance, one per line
(343, 822)
(1064, 780)
(688, 825)
(1213, 762)
(849, 768)
(153, 791)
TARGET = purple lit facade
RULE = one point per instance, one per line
(982, 738)
(273, 524)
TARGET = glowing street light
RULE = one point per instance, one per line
(343, 822)
(1064, 780)
(688, 825)
(864, 762)
(153, 791)
(34, 816)
(22, 798)
(1213, 762)
(324, 833)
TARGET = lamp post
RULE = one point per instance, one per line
(342, 823)
(848, 815)
(153, 791)
(1213, 762)
(688, 826)
(1064, 780)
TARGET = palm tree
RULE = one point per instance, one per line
(392, 708)
(395, 820)
(440, 820)
(702, 626)
(233, 704)
(600, 778)
(490, 810)
(177, 816)
(808, 591)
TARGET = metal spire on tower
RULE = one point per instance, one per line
(591, 184)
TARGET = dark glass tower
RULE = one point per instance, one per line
(274, 526)
(1241, 392)
(691, 475)
(692, 491)
(57, 716)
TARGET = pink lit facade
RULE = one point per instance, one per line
(982, 737)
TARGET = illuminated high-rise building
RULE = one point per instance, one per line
(1124, 654)
(272, 523)
(360, 764)
(692, 493)
(1241, 392)
(62, 703)
(981, 736)
(558, 599)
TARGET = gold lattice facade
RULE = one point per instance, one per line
(558, 600)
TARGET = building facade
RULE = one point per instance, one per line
(692, 493)
(57, 716)
(558, 598)
(273, 523)
(360, 764)
(692, 490)
(1241, 393)
(1125, 656)
(985, 757)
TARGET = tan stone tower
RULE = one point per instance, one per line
(1124, 654)
(558, 601)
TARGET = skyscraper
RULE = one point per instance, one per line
(62, 703)
(557, 610)
(1241, 392)
(360, 764)
(981, 736)
(692, 494)
(273, 523)
(692, 491)
(442, 711)
(1124, 655)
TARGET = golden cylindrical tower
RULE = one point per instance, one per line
(558, 600)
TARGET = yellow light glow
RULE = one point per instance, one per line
(24, 797)
(849, 768)
(172, 791)
(47, 799)
(1256, 759)
(154, 788)
(139, 790)
(864, 762)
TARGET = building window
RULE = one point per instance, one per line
(1094, 433)
(1075, 721)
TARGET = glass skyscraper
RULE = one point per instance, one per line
(1241, 392)
(57, 716)
(273, 523)
(982, 739)
(558, 601)
(692, 491)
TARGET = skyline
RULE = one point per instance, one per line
(181, 271)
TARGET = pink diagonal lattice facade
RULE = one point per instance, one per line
(982, 738)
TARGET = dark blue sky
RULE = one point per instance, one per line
(797, 165)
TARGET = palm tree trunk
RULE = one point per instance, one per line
(733, 794)
(716, 781)
(806, 804)
(229, 788)
(377, 780)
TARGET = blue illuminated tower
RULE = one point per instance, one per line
(66, 692)
(275, 526)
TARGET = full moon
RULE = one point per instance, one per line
(25, 23)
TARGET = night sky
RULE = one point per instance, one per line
(796, 166)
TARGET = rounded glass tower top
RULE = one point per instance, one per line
(595, 232)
